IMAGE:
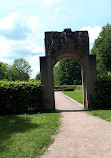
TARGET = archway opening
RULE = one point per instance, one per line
(68, 79)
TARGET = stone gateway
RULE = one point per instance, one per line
(73, 45)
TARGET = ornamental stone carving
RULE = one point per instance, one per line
(66, 42)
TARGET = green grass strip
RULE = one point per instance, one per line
(104, 114)
(76, 95)
(27, 136)
(75, 87)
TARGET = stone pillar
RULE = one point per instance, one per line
(46, 69)
(91, 78)
(84, 84)
(88, 80)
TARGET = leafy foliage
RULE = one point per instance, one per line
(20, 97)
(102, 97)
(38, 77)
(3, 70)
(67, 72)
(20, 70)
(102, 49)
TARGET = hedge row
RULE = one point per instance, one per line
(20, 97)
(102, 97)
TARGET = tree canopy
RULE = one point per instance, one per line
(3, 70)
(23, 69)
(102, 49)
(20, 70)
(38, 77)
(67, 72)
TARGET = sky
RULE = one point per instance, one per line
(23, 23)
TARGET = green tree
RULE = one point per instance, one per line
(38, 77)
(67, 72)
(3, 70)
(12, 73)
(21, 69)
(102, 49)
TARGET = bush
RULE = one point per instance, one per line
(77, 82)
(102, 97)
(20, 97)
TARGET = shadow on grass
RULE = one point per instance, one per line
(14, 124)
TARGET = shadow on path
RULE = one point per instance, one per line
(70, 111)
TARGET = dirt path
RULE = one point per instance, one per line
(81, 135)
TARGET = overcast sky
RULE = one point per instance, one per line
(23, 23)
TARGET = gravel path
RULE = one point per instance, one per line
(81, 135)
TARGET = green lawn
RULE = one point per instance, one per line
(27, 136)
(77, 95)
(104, 114)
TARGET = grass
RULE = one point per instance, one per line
(104, 114)
(77, 95)
(63, 87)
(27, 136)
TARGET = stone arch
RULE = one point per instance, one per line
(73, 45)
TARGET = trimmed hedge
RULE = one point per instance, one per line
(102, 97)
(20, 97)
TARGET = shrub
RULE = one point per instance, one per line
(20, 97)
(102, 97)
(77, 82)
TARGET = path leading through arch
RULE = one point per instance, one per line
(80, 135)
